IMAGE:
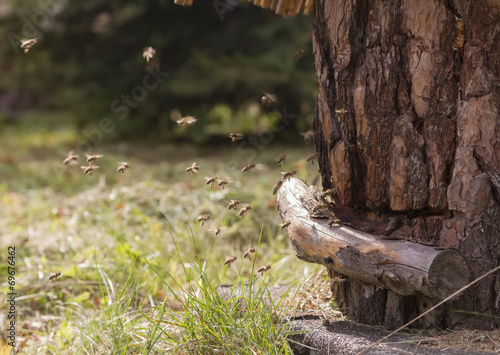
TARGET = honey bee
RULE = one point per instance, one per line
(236, 137)
(312, 158)
(248, 168)
(233, 204)
(223, 182)
(229, 261)
(244, 210)
(298, 55)
(335, 222)
(281, 159)
(217, 231)
(186, 121)
(203, 218)
(148, 53)
(341, 111)
(284, 225)
(193, 168)
(71, 159)
(122, 167)
(320, 207)
(89, 169)
(308, 136)
(26, 44)
(288, 174)
(277, 187)
(248, 254)
(328, 192)
(211, 181)
(93, 157)
(263, 269)
(267, 99)
(55, 276)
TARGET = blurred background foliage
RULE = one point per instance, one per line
(88, 65)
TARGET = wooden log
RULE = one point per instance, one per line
(402, 266)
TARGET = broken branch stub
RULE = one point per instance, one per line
(401, 266)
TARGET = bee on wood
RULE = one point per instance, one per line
(203, 218)
(229, 261)
(328, 192)
(71, 159)
(335, 222)
(312, 158)
(321, 206)
(298, 55)
(288, 174)
(244, 210)
(267, 99)
(277, 187)
(89, 169)
(223, 182)
(26, 44)
(284, 225)
(458, 44)
(263, 269)
(55, 276)
(248, 254)
(281, 160)
(193, 168)
(248, 168)
(148, 53)
(210, 181)
(93, 157)
(308, 136)
(122, 167)
(236, 137)
(233, 204)
(186, 121)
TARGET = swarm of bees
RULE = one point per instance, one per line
(26, 44)
(193, 168)
(53, 277)
(72, 159)
(148, 53)
(186, 121)
(236, 136)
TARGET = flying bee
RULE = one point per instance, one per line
(122, 167)
(186, 121)
(26, 44)
(203, 218)
(148, 53)
(229, 261)
(248, 254)
(308, 136)
(288, 174)
(89, 169)
(263, 269)
(55, 276)
(93, 157)
(71, 159)
(217, 231)
(341, 111)
(244, 210)
(267, 99)
(281, 160)
(223, 182)
(248, 168)
(193, 168)
(233, 204)
(298, 55)
(312, 158)
(285, 225)
(277, 187)
(211, 180)
(236, 137)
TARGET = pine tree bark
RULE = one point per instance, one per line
(420, 83)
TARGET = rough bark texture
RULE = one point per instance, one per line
(420, 81)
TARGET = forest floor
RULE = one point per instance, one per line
(115, 238)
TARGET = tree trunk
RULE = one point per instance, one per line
(420, 83)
